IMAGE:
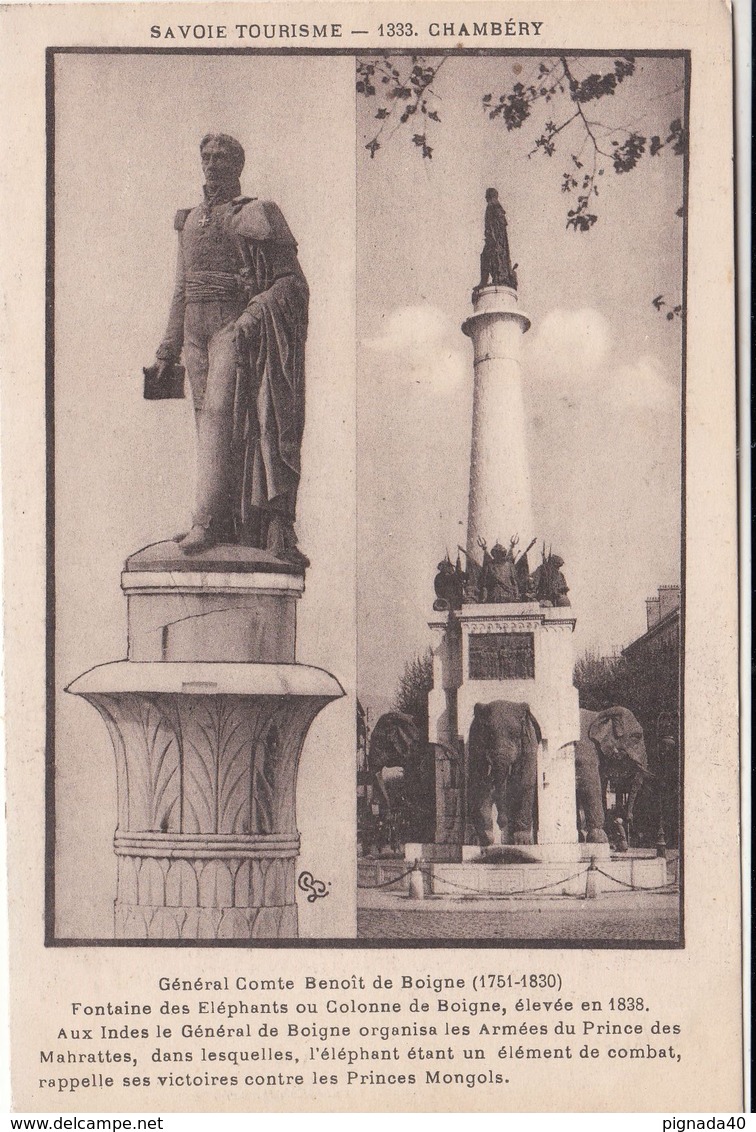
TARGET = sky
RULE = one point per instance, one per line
(602, 368)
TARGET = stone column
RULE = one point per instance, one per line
(442, 731)
(499, 502)
(208, 718)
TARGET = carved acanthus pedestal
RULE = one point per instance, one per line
(207, 751)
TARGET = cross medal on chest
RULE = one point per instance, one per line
(206, 219)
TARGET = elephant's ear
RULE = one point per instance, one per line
(634, 740)
(527, 716)
(615, 731)
(625, 725)
(601, 728)
(384, 739)
(407, 731)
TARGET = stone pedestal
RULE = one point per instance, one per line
(232, 603)
(554, 876)
(443, 731)
(521, 653)
(208, 718)
(499, 502)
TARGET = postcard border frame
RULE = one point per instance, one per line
(50, 938)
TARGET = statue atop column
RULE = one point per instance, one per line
(239, 312)
(495, 261)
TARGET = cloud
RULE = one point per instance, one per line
(571, 353)
(641, 385)
(570, 344)
(418, 340)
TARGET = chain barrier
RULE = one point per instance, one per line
(425, 870)
(515, 891)
(670, 886)
(391, 880)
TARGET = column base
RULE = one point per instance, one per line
(154, 921)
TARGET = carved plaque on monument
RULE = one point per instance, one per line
(502, 656)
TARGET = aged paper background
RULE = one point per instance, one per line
(697, 988)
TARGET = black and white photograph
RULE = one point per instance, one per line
(518, 394)
(521, 319)
(201, 501)
(371, 558)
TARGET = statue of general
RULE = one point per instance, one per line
(495, 262)
(239, 312)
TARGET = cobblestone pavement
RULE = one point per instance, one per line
(616, 917)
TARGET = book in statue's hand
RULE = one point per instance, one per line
(163, 381)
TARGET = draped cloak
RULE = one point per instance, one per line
(269, 411)
(269, 402)
(496, 260)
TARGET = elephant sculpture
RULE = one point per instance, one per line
(502, 770)
(395, 742)
(611, 746)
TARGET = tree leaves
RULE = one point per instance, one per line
(420, 140)
(678, 138)
(545, 142)
(557, 84)
(414, 686)
(512, 108)
(365, 75)
(627, 154)
(401, 95)
(672, 312)
(404, 94)
(600, 85)
(580, 219)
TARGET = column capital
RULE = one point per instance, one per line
(494, 304)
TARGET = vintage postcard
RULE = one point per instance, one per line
(371, 623)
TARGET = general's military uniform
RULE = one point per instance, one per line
(234, 255)
(495, 260)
